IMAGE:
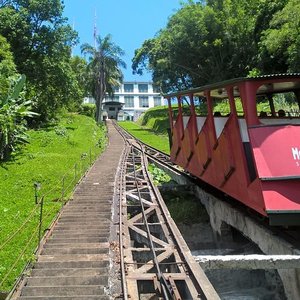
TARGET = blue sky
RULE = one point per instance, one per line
(130, 22)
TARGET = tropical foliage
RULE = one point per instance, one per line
(13, 110)
(209, 41)
(104, 69)
(41, 43)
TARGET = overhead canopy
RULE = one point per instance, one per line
(113, 103)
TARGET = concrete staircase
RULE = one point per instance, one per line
(74, 262)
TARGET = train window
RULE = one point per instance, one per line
(278, 108)
(221, 111)
(200, 105)
(221, 107)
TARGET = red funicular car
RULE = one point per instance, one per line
(251, 155)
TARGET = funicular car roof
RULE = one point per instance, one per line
(218, 89)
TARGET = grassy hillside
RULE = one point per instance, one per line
(147, 135)
(49, 159)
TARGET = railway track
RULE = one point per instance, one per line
(155, 261)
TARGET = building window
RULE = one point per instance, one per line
(111, 108)
(116, 98)
(143, 88)
(129, 101)
(157, 101)
(128, 88)
(144, 102)
(116, 89)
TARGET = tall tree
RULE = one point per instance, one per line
(214, 40)
(202, 43)
(41, 43)
(282, 38)
(104, 69)
(266, 62)
(79, 68)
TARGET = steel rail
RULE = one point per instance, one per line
(121, 188)
(121, 193)
(157, 195)
(167, 290)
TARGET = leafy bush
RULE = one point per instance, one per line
(7, 66)
(13, 111)
(88, 110)
(158, 175)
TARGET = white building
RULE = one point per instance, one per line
(130, 100)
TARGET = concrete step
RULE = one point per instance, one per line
(79, 230)
(89, 207)
(71, 264)
(83, 245)
(62, 234)
(63, 291)
(69, 272)
(73, 257)
(86, 206)
(65, 298)
(101, 221)
(83, 215)
(84, 219)
(81, 240)
(70, 226)
(78, 209)
(86, 196)
(57, 251)
(101, 209)
(87, 203)
(66, 281)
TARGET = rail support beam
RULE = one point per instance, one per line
(250, 262)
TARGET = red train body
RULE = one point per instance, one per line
(255, 160)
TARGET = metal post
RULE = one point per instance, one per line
(41, 218)
(37, 187)
(90, 156)
(63, 189)
(75, 171)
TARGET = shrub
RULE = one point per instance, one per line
(88, 110)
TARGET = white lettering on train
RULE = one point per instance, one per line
(296, 153)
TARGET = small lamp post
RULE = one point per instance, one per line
(37, 187)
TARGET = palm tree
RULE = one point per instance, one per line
(104, 69)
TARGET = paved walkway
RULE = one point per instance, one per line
(74, 261)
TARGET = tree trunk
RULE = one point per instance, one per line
(99, 99)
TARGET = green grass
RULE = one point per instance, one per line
(182, 205)
(51, 154)
(147, 135)
(184, 208)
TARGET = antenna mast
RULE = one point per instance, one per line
(95, 29)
